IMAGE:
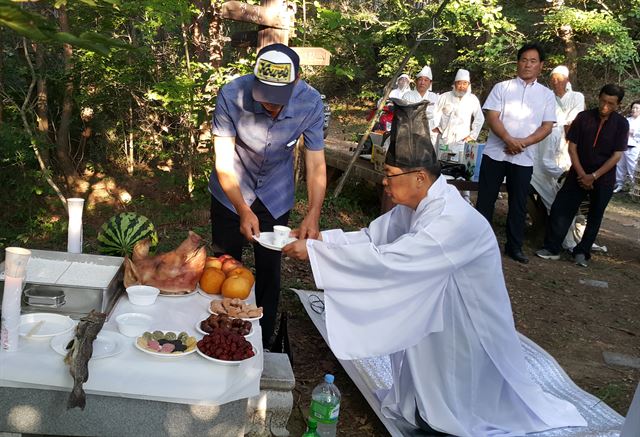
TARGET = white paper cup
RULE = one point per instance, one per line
(280, 234)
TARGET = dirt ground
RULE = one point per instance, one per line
(553, 304)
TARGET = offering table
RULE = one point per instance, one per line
(131, 393)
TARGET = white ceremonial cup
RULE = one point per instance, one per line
(280, 234)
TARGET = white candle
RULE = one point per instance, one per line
(11, 313)
(74, 232)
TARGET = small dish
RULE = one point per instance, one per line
(266, 240)
(44, 325)
(251, 319)
(164, 354)
(133, 324)
(143, 295)
(199, 329)
(225, 362)
(106, 344)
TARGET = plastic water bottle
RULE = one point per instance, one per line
(325, 406)
(312, 428)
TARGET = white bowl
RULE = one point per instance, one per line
(142, 294)
(133, 324)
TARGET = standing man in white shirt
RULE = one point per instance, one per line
(626, 168)
(520, 113)
(424, 81)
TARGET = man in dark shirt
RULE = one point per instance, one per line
(597, 138)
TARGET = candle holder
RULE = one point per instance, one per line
(15, 270)
(74, 232)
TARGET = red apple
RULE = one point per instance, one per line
(230, 264)
(212, 261)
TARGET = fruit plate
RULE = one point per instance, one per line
(266, 240)
(205, 333)
(106, 344)
(250, 319)
(207, 295)
(225, 362)
(44, 325)
(163, 354)
(189, 293)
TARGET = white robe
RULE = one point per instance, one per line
(455, 116)
(552, 155)
(426, 286)
(415, 97)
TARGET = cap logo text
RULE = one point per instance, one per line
(271, 72)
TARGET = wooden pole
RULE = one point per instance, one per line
(272, 35)
(381, 103)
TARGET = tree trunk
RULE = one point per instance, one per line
(570, 51)
(1, 75)
(63, 147)
(216, 35)
(42, 108)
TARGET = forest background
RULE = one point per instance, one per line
(92, 87)
(111, 101)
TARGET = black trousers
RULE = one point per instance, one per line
(564, 209)
(492, 173)
(225, 229)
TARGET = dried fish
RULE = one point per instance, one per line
(80, 351)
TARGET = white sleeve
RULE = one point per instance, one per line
(577, 108)
(549, 107)
(494, 100)
(478, 119)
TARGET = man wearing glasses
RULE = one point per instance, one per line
(423, 284)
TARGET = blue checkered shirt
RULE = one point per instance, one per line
(264, 146)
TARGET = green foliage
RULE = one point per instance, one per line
(606, 39)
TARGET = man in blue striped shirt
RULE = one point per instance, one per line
(256, 124)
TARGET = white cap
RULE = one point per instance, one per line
(403, 76)
(425, 72)
(462, 74)
(276, 70)
(561, 69)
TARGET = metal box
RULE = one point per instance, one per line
(70, 284)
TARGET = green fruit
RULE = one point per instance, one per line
(121, 232)
(170, 336)
(157, 335)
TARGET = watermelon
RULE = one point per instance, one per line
(121, 232)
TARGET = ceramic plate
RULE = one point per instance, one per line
(190, 293)
(164, 355)
(52, 325)
(205, 333)
(209, 296)
(251, 319)
(225, 362)
(266, 240)
(107, 344)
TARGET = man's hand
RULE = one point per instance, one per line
(514, 146)
(309, 228)
(436, 130)
(468, 138)
(586, 181)
(296, 250)
(249, 224)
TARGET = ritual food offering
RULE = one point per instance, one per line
(225, 345)
(166, 343)
(222, 321)
(228, 276)
(235, 308)
(174, 273)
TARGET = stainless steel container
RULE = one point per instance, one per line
(70, 284)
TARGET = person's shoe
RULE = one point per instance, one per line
(517, 256)
(581, 260)
(545, 254)
(617, 188)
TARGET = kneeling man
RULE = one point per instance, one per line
(424, 284)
